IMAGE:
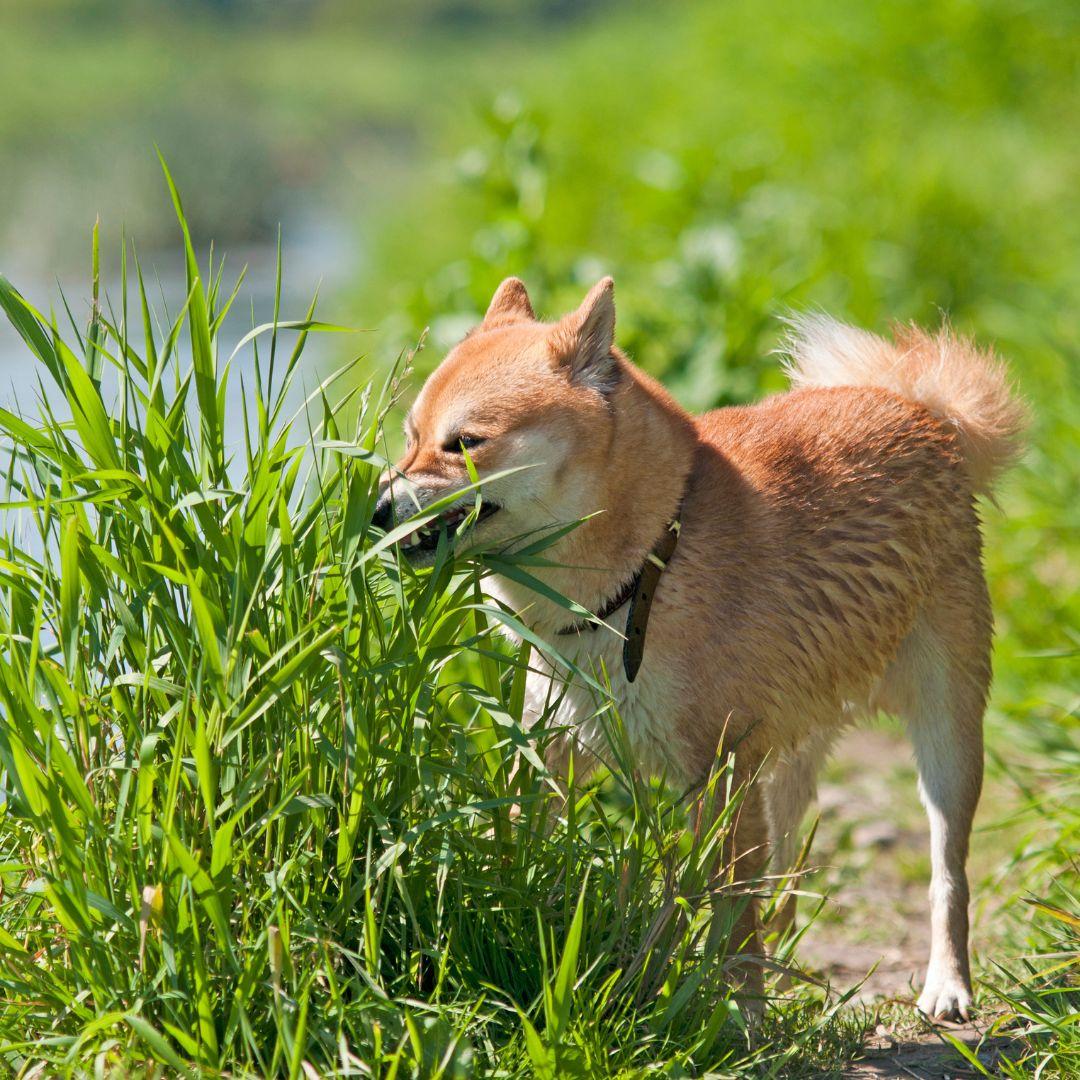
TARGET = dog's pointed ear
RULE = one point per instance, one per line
(584, 339)
(510, 304)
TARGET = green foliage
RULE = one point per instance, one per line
(269, 806)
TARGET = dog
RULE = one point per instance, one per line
(765, 574)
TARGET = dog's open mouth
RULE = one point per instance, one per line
(450, 520)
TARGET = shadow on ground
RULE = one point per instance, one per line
(928, 1056)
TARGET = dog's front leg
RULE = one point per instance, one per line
(741, 862)
(564, 757)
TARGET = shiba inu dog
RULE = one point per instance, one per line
(767, 574)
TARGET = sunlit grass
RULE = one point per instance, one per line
(269, 806)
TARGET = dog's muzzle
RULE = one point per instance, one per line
(391, 510)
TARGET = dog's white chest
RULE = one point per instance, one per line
(643, 709)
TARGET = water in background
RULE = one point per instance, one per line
(319, 253)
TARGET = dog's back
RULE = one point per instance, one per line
(821, 521)
(966, 388)
(826, 525)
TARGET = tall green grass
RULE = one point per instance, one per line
(268, 805)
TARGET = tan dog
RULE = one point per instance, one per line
(828, 563)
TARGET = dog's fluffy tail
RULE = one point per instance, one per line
(950, 375)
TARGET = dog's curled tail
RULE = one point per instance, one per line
(963, 385)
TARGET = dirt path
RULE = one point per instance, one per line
(872, 859)
(926, 1055)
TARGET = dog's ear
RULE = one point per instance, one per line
(584, 339)
(510, 304)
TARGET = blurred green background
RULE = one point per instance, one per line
(724, 160)
(883, 159)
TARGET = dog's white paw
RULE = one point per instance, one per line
(945, 997)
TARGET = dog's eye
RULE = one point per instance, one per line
(463, 442)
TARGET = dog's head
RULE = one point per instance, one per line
(515, 393)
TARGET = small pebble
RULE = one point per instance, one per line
(875, 834)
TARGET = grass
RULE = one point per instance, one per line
(259, 775)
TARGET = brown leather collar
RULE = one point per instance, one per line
(639, 590)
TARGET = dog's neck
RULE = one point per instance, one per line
(648, 464)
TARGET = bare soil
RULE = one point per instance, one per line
(928, 1056)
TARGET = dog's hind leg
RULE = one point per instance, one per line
(938, 684)
(949, 752)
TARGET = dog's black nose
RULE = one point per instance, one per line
(383, 515)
